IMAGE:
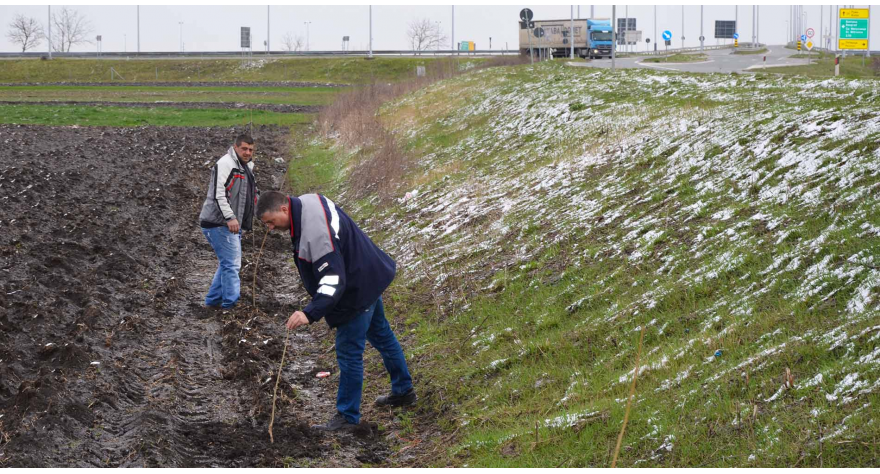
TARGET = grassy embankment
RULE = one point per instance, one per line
(356, 70)
(248, 95)
(331, 70)
(750, 51)
(677, 58)
(133, 116)
(550, 224)
(850, 67)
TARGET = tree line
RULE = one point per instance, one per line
(69, 28)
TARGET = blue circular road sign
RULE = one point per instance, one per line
(736, 36)
(803, 37)
(667, 35)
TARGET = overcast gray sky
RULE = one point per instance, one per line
(212, 28)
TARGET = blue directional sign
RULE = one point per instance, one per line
(736, 36)
(803, 37)
(667, 35)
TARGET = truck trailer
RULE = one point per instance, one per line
(592, 37)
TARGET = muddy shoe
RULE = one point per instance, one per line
(392, 400)
(337, 423)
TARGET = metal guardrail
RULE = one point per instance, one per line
(256, 54)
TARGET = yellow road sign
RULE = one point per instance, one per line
(853, 13)
(736, 43)
(852, 44)
(799, 45)
(809, 45)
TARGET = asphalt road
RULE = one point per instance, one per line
(717, 61)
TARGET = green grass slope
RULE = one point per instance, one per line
(111, 116)
(352, 70)
(246, 95)
(554, 212)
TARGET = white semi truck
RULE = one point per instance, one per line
(592, 37)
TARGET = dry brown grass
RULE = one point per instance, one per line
(353, 119)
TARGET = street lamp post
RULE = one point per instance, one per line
(804, 23)
(758, 24)
(307, 23)
(682, 26)
(701, 28)
(452, 40)
(49, 36)
(437, 45)
(614, 34)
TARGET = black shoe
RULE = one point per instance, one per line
(337, 423)
(392, 400)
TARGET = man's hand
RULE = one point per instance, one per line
(233, 226)
(296, 320)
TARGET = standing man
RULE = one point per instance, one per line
(229, 209)
(345, 273)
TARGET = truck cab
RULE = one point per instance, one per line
(599, 38)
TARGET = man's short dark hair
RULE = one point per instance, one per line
(270, 201)
(244, 138)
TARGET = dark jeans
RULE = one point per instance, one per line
(369, 325)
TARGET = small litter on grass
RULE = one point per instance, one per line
(322, 375)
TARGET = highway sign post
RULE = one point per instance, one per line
(539, 33)
(736, 40)
(526, 16)
(667, 37)
(854, 24)
(245, 37)
(724, 29)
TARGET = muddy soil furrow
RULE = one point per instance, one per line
(282, 108)
(106, 358)
(179, 84)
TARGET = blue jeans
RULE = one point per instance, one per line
(226, 287)
(369, 325)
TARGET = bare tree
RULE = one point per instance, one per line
(26, 32)
(424, 35)
(292, 43)
(72, 29)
